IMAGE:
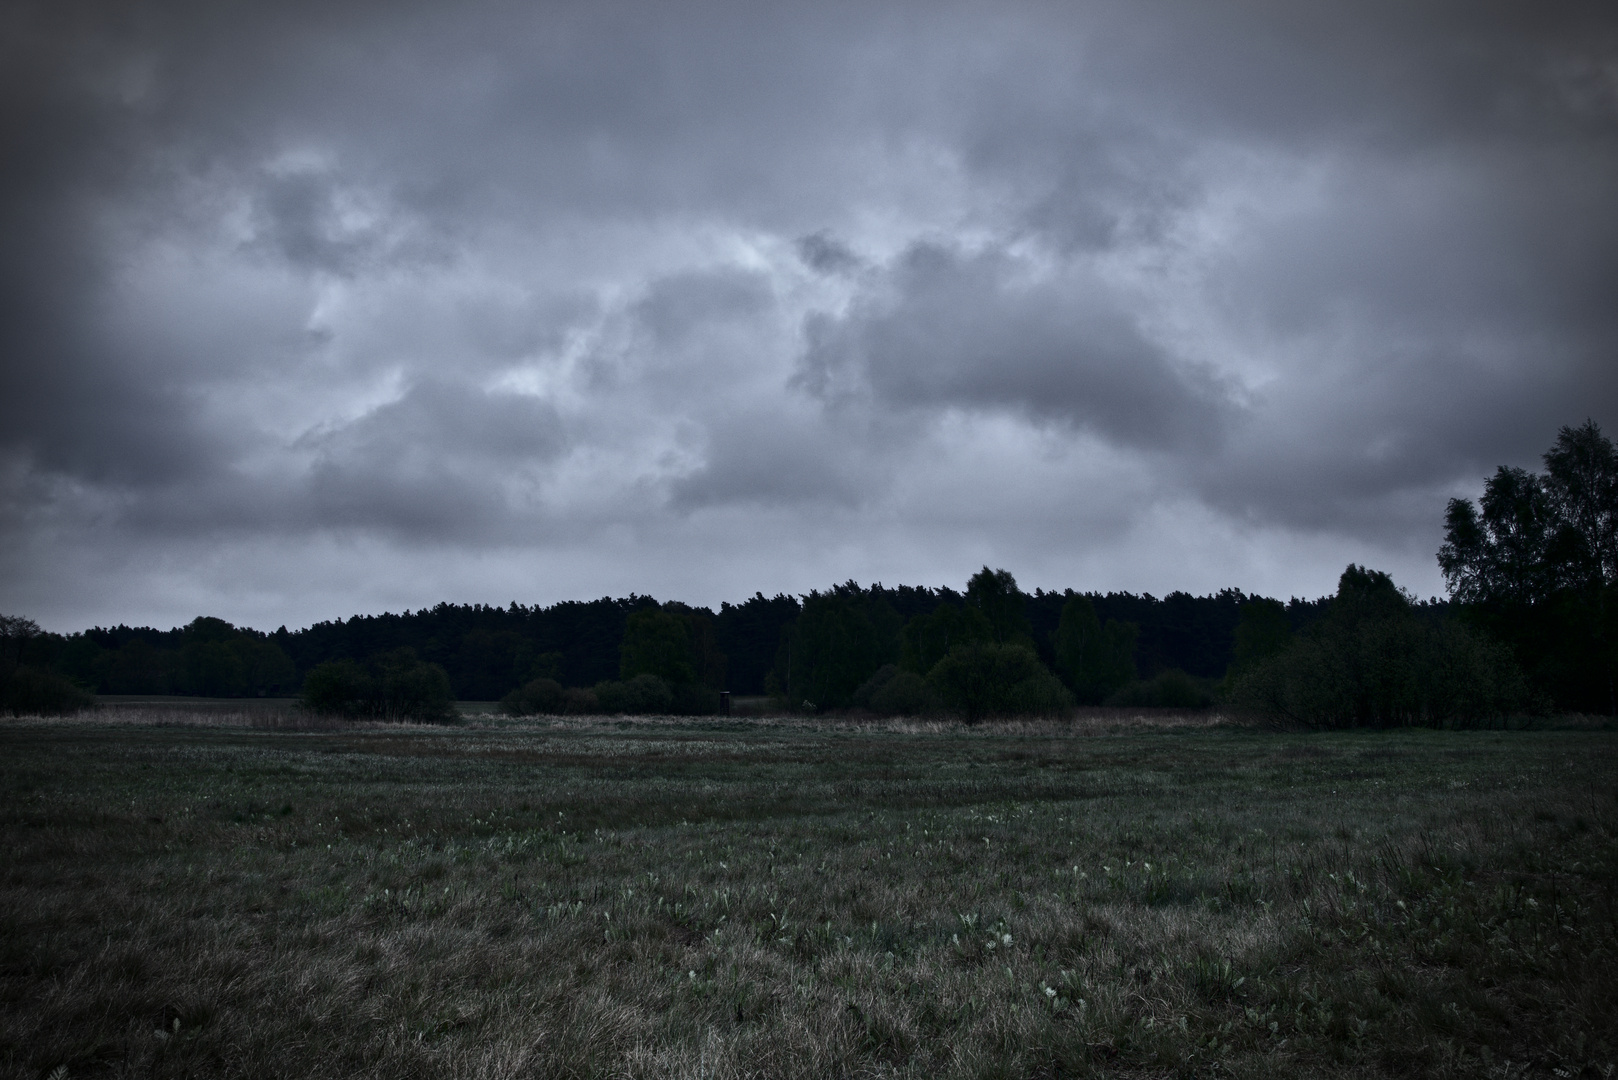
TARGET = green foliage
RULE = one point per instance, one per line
(643, 695)
(839, 641)
(1171, 689)
(341, 687)
(709, 663)
(1375, 661)
(141, 668)
(32, 691)
(1264, 631)
(393, 685)
(537, 697)
(547, 665)
(28, 689)
(1496, 554)
(894, 691)
(1582, 482)
(994, 593)
(217, 660)
(1536, 564)
(1097, 660)
(675, 645)
(981, 680)
(927, 639)
(657, 643)
(208, 657)
(16, 633)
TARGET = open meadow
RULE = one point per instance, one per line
(218, 894)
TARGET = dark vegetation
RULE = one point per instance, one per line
(28, 685)
(1531, 626)
(691, 898)
(389, 686)
(1535, 565)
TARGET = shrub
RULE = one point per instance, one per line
(641, 696)
(580, 701)
(895, 692)
(1375, 661)
(981, 680)
(540, 696)
(694, 699)
(1171, 689)
(388, 686)
(906, 694)
(32, 691)
(337, 687)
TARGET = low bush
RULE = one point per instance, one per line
(388, 686)
(32, 691)
(539, 697)
(580, 701)
(1171, 689)
(893, 691)
(982, 680)
(644, 695)
(694, 699)
(1376, 661)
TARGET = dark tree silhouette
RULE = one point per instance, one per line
(1535, 564)
(1097, 660)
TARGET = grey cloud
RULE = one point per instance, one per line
(437, 420)
(952, 330)
(825, 254)
(679, 305)
(1401, 432)
(760, 459)
(302, 221)
(445, 461)
(440, 460)
(1389, 224)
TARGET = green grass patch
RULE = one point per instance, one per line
(740, 898)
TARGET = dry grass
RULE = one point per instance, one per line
(679, 898)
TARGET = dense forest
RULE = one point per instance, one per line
(487, 651)
(1531, 625)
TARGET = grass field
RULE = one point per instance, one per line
(216, 897)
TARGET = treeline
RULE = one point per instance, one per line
(487, 651)
(1532, 625)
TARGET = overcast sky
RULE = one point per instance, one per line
(309, 309)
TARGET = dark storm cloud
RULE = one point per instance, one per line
(440, 461)
(773, 461)
(945, 329)
(825, 254)
(305, 218)
(453, 274)
(676, 307)
(443, 461)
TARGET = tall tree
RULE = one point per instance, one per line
(656, 642)
(842, 637)
(1582, 485)
(1097, 660)
(1498, 555)
(1264, 631)
(995, 594)
(1536, 564)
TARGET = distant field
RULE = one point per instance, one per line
(707, 898)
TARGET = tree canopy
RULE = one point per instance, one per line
(1535, 564)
